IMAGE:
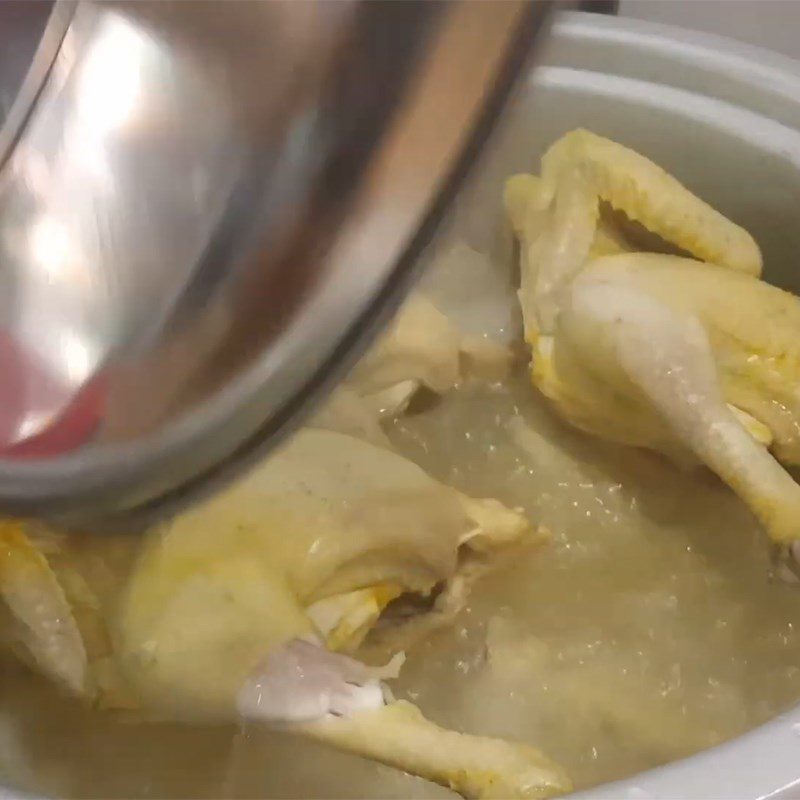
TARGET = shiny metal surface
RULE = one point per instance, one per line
(204, 211)
(96, 244)
(657, 87)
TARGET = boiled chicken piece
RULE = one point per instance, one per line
(423, 348)
(318, 540)
(254, 602)
(324, 519)
(44, 629)
(644, 192)
(339, 701)
(458, 327)
(579, 171)
(668, 340)
(57, 595)
(696, 360)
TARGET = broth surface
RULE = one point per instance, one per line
(649, 629)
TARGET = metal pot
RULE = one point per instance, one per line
(726, 117)
(204, 212)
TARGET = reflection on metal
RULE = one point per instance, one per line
(204, 209)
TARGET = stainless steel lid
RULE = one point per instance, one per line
(205, 209)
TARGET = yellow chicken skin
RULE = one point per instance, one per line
(251, 605)
(44, 625)
(696, 360)
(557, 217)
(633, 184)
